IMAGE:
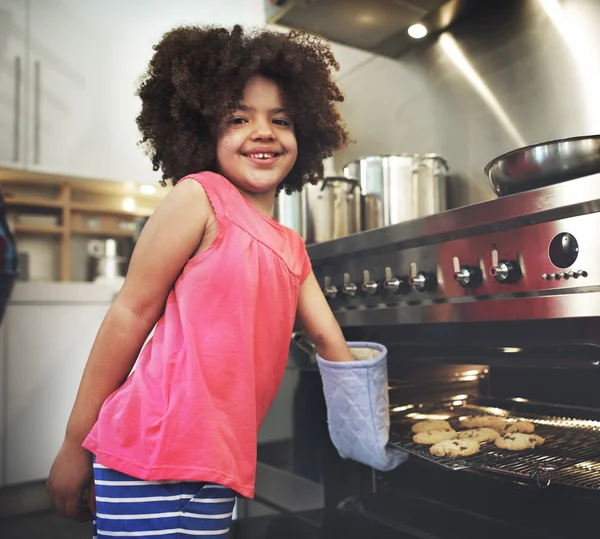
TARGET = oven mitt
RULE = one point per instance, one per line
(356, 393)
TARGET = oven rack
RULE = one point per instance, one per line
(569, 456)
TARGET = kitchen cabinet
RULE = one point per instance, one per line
(69, 72)
(53, 115)
(13, 30)
(70, 209)
(47, 342)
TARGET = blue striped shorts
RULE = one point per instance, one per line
(130, 507)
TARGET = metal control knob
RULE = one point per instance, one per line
(395, 284)
(420, 280)
(329, 290)
(504, 271)
(349, 288)
(369, 286)
(466, 276)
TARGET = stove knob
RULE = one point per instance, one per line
(466, 276)
(504, 271)
(369, 286)
(420, 280)
(329, 290)
(349, 288)
(395, 284)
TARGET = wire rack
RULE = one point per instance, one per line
(569, 456)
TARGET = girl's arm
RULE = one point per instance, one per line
(169, 238)
(319, 324)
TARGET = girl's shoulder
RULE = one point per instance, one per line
(217, 188)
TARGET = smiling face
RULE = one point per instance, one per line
(256, 144)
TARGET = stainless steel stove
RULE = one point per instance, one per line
(490, 308)
(527, 256)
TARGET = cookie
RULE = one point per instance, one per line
(481, 434)
(519, 426)
(434, 436)
(435, 424)
(491, 421)
(455, 448)
(519, 441)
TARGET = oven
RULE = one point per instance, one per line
(489, 309)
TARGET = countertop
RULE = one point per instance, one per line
(61, 293)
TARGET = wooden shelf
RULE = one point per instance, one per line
(96, 208)
(34, 229)
(78, 203)
(34, 202)
(101, 232)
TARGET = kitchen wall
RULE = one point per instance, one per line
(515, 72)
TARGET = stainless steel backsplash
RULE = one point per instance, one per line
(515, 72)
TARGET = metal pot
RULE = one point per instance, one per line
(288, 210)
(332, 209)
(399, 188)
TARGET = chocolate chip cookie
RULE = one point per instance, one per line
(491, 421)
(434, 436)
(455, 448)
(526, 427)
(481, 434)
(519, 441)
(434, 424)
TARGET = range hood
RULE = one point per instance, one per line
(377, 26)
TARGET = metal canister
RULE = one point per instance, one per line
(399, 188)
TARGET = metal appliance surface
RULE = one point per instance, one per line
(532, 255)
(331, 209)
(288, 210)
(378, 26)
(398, 188)
(491, 309)
(104, 261)
(544, 164)
(511, 74)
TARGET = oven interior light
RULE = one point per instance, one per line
(511, 350)
(519, 399)
(457, 403)
(417, 31)
(415, 415)
(403, 408)
(459, 397)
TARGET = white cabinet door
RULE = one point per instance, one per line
(67, 70)
(46, 350)
(13, 47)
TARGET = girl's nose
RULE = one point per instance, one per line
(263, 131)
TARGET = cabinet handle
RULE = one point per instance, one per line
(17, 119)
(36, 113)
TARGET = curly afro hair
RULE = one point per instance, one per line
(197, 76)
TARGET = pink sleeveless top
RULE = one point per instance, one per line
(203, 383)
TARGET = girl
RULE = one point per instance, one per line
(232, 119)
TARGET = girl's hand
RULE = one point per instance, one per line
(70, 476)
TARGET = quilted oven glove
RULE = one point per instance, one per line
(356, 393)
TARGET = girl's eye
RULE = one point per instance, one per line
(238, 120)
(281, 121)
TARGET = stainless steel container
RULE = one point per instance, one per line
(288, 210)
(325, 211)
(332, 209)
(399, 188)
